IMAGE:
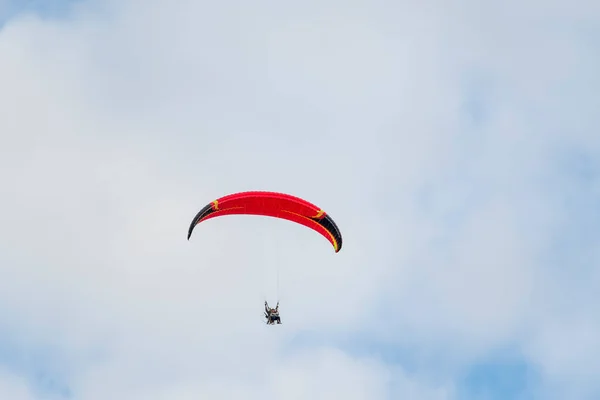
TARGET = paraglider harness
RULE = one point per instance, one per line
(272, 314)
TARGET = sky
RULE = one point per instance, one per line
(454, 142)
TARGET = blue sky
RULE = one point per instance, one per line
(42, 365)
(457, 151)
(46, 9)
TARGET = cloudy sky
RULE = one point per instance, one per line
(455, 143)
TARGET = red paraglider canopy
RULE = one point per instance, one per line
(272, 204)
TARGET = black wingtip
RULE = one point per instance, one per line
(206, 210)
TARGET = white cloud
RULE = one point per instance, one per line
(14, 387)
(119, 124)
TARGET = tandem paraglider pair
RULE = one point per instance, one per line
(272, 314)
(277, 205)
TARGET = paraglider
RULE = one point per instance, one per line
(277, 205)
(272, 314)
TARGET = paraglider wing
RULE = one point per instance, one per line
(272, 204)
